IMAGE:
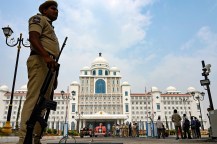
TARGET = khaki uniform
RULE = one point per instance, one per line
(134, 130)
(126, 131)
(113, 130)
(41, 24)
(176, 119)
(37, 71)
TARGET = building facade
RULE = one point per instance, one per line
(101, 97)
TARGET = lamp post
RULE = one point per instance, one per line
(151, 116)
(206, 82)
(67, 98)
(8, 32)
(79, 117)
(184, 100)
(199, 97)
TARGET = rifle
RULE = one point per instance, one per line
(41, 104)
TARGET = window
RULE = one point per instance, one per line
(158, 106)
(85, 72)
(100, 86)
(100, 72)
(106, 72)
(114, 73)
(94, 72)
(126, 93)
(73, 107)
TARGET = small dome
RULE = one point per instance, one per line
(74, 82)
(4, 88)
(114, 69)
(85, 68)
(191, 89)
(171, 88)
(125, 83)
(24, 87)
(154, 89)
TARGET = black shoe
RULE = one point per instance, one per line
(177, 138)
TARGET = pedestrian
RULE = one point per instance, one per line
(176, 119)
(186, 126)
(197, 127)
(137, 130)
(193, 127)
(117, 130)
(44, 50)
(159, 125)
(134, 130)
(125, 130)
(130, 129)
(113, 130)
(164, 131)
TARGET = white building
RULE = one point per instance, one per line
(101, 97)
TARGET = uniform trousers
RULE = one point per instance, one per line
(37, 71)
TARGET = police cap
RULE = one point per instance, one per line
(46, 4)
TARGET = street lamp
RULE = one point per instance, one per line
(67, 98)
(79, 117)
(184, 100)
(206, 70)
(8, 32)
(151, 116)
(199, 97)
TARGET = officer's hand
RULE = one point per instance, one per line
(51, 63)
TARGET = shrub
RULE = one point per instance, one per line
(172, 132)
(54, 131)
(49, 131)
(73, 132)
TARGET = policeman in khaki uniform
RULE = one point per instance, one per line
(44, 51)
(125, 130)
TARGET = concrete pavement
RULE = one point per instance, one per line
(112, 140)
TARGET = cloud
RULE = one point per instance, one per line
(110, 25)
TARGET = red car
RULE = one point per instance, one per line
(100, 130)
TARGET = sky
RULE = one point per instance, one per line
(158, 43)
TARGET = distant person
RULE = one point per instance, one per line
(113, 130)
(193, 127)
(134, 130)
(130, 129)
(186, 126)
(159, 125)
(176, 119)
(197, 128)
(163, 131)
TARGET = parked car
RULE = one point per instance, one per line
(100, 130)
(86, 132)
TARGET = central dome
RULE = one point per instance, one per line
(100, 62)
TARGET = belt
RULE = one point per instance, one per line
(35, 53)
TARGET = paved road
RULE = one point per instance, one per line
(110, 140)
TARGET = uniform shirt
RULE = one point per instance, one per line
(159, 124)
(176, 118)
(42, 25)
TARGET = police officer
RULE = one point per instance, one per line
(44, 51)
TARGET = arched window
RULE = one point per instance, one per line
(72, 126)
(106, 72)
(100, 86)
(94, 72)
